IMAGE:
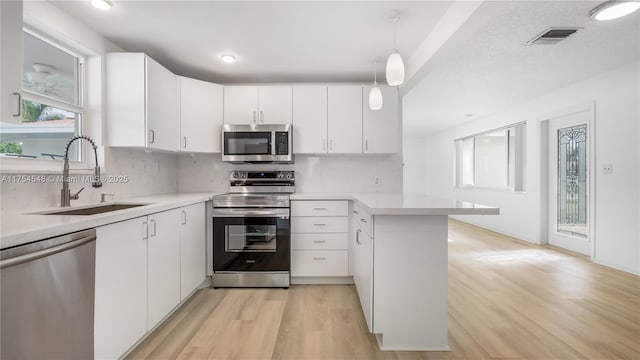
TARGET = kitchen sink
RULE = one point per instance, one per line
(92, 210)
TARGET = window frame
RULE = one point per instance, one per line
(11, 165)
(459, 164)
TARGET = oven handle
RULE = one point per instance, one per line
(281, 213)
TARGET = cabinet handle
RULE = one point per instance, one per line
(319, 241)
(152, 135)
(319, 224)
(145, 230)
(331, 145)
(154, 227)
(261, 116)
(254, 116)
(19, 104)
(319, 208)
(319, 258)
(366, 145)
(184, 217)
(358, 236)
(185, 142)
(363, 220)
(356, 212)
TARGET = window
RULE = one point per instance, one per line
(51, 106)
(494, 159)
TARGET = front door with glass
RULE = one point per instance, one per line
(569, 182)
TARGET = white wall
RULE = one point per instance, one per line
(414, 154)
(616, 97)
(206, 173)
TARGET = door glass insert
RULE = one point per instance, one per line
(572, 180)
(250, 238)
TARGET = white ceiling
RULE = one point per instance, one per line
(274, 41)
(484, 68)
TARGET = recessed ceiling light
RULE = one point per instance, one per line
(101, 4)
(228, 58)
(614, 9)
(468, 115)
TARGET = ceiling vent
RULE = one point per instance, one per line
(553, 35)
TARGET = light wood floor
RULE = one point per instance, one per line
(507, 300)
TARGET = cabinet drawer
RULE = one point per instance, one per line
(320, 224)
(319, 208)
(319, 263)
(325, 241)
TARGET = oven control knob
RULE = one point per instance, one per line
(289, 175)
(280, 175)
(234, 175)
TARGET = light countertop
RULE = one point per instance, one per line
(404, 204)
(22, 227)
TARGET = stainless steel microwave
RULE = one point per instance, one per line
(257, 143)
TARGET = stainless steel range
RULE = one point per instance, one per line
(251, 233)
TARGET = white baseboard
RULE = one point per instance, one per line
(319, 280)
(616, 267)
(434, 348)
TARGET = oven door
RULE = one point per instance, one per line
(251, 240)
(241, 146)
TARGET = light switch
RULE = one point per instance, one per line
(607, 169)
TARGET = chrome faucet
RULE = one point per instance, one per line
(65, 193)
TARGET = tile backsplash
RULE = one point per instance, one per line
(145, 174)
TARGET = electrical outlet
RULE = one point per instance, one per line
(378, 180)
(607, 169)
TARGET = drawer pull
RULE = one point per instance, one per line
(319, 209)
(356, 212)
(319, 224)
(363, 220)
(319, 241)
(319, 258)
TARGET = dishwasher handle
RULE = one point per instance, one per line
(47, 247)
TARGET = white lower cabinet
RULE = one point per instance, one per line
(192, 249)
(120, 318)
(362, 267)
(319, 239)
(163, 275)
(144, 268)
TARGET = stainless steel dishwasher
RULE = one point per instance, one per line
(48, 298)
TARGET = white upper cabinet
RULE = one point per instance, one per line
(275, 105)
(143, 103)
(11, 61)
(380, 128)
(240, 104)
(345, 119)
(310, 119)
(163, 107)
(257, 104)
(201, 114)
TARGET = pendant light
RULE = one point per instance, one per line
(395, 65)
(375, 95)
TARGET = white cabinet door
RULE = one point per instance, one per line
(10, 61)
(240, 104)
(201, 115)
(363, 274)
(309, 119)
(120, 318)
(164, 265)
(275, 104)
(192, 248)
(163, 107)
(381, 128)
(345, 119)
